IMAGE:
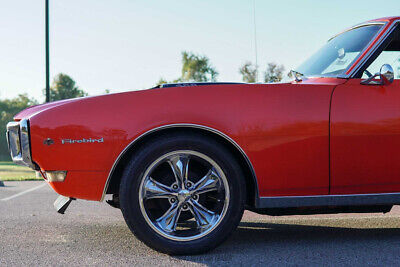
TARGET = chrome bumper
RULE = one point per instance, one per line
(18, 140)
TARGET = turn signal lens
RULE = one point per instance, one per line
(56, 176)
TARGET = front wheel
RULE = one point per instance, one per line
(182, 194)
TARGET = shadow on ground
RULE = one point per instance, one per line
(86, 236)
(276, 243)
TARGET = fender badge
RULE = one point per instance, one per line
(48, 141)
(82, 141)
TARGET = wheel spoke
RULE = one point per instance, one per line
(202, 215)
(184, 205)
(210, 182)
(169, 220)
(153, 189)
(180, 167)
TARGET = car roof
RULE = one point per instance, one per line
(384, 19)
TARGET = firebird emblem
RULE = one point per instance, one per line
(81, 141)
(48, 141)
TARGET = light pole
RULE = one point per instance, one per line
(255, 38)
(47, 52)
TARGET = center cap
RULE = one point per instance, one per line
(183, 195)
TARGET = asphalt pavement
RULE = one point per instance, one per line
(93, 233)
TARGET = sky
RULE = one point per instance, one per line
(125, 45)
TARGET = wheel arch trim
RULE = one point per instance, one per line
(183, 125)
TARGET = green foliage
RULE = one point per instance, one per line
(11, 172)
(195, 68)
(274, 73)
(8, 108)
(64, 88)
(161, 81)
(248, 72)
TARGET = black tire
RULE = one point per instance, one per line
(134, 174)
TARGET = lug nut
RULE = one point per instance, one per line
(195, 197)
(188, 184)
(175, 186)
(185, 207)
(173, 200)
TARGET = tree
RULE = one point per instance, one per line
(8, 108)
(248, 72)
(161, 81)
(64, 88)
(274, 73)
(196, 68)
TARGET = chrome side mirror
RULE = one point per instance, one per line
(386, 76)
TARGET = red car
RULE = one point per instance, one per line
(182, 161)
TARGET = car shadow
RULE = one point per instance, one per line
(281, 243)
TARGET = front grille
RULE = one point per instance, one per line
(18, 140)
(14, 143)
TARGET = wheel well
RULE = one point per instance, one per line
(250, 178)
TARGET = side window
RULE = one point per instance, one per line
(390, 55)
(386, 57)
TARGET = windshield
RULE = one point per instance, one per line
(335, 57)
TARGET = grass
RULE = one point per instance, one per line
(11, 172)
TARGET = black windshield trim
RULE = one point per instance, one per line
(167, 85)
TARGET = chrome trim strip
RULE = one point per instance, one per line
(359, 26)
(177, 125)
(344, 75)
(373, 49)
(328, 200)
(7, 138)
(24, 156)
(25, 143)
(365, 48)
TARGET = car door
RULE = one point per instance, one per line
(365, 129)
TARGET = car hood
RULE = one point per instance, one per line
(181, 88)
(31, 111)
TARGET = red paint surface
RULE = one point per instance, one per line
(283, 128)
(365, 138)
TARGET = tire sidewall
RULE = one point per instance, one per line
(133, 175)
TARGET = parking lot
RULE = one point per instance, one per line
(93, 233)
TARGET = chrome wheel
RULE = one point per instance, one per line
(184, 195)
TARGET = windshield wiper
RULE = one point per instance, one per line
(296, 75)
